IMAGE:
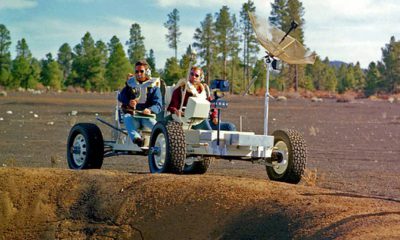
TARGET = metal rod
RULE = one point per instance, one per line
(219, 126)
(293, 25)
(266, 103)
(250, 84)
(240, 123)
(111, 126)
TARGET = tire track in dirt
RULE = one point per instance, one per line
(99, 204)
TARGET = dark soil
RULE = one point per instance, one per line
(351, 187)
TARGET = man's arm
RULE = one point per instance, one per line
(123, 96)
(156, 101)
(174, 105)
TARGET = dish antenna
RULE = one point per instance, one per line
(278, 44)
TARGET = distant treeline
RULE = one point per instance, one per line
(227, 48)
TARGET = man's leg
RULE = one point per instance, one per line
(227, 126)
(148, 123)
(204, 125)
(131, 126)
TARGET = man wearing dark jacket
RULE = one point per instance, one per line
(140, 95)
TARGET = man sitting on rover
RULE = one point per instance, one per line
(192, 88)
(141, 99)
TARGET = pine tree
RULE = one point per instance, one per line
(346, 80)
(34, 74)
(391, 61)
(88, 65)
(278, 13)
(151, 60)
(185, 62)
(259, 74)
(359, 77)
(45, 74)
(282, 14)
(205, 44)
(317, 74)
(223, 25)
(173, 30)
(101, 56)
(56, 76)
(136, 48)
(341, 76)
(5, 56)
(172, 71)
(118, 65)
(64, 60)
(250, 44)
(51, 74)
(21, 67)
(234, 49)
(372, 80)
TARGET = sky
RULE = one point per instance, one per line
(344, 30)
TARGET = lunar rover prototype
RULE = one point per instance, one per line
(175, 147)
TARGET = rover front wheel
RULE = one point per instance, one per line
(167, 149)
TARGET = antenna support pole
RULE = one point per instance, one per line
(266, 101)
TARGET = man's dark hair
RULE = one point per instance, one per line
(142, 63)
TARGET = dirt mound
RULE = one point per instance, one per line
(99, 204)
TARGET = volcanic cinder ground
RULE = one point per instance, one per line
(351, 188)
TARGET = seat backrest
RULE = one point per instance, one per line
(169, 90)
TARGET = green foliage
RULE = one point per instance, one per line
(218, 41)
(118, 65)
(391, 63)
(278, 13)
(65, 60)
(372, 79)
(89, 64)
(233, 42)
(151, 60)
(205, 44)
(173, 30)
(20, 72)
(320, 76)
(250, 44)
(223, 24)
(185, 62)
(23, 49)
(136, 48)
(294, 11)
(5, 56)
(51, 74)
(172, 71)
(359, 77)
(346, 80)
(259, 73)
(99, 81)
(34, 75)
(55, 76)
(25, 72)
(282, 14)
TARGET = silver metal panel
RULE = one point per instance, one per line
(250, 140)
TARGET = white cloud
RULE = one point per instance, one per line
(350, 30)
(235, 5)
(77, 1)
(197, 3)
(17, 4)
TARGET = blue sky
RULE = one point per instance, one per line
(340, 29)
